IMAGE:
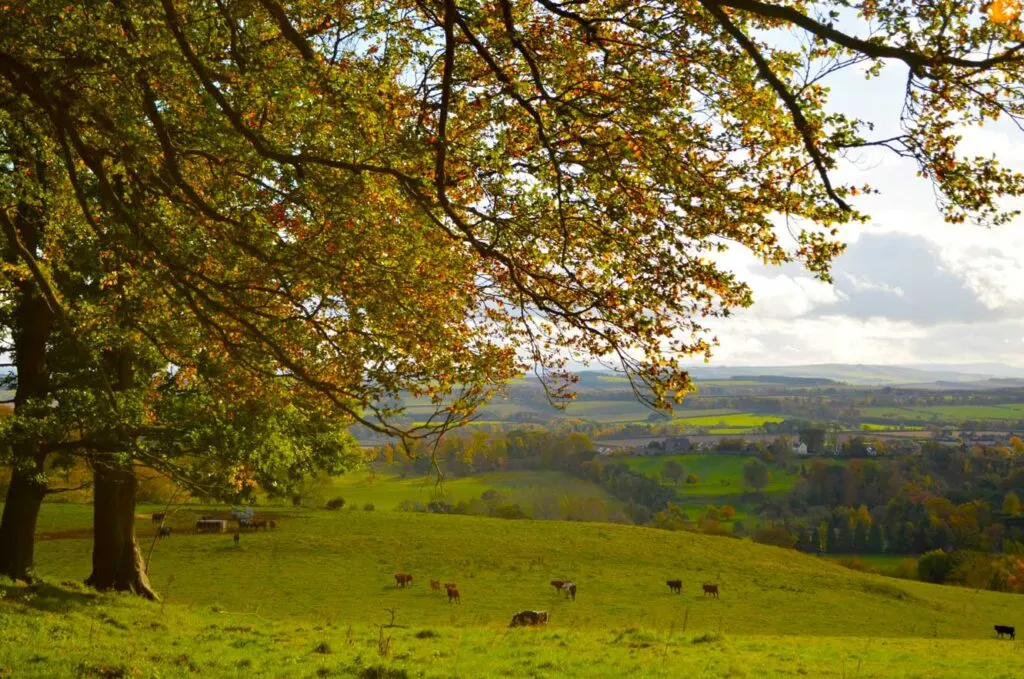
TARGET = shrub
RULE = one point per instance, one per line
(692, 479)
(427, 634)
(856, 564)
(335, 503)
(905, 569)
(775, 535)
(509, 512)
(935, 566)
(408, 505)
(368, 507)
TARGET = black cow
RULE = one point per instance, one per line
(159, 516)
(1005, 629)
(164, 532)
(675, 585)
(524, 618)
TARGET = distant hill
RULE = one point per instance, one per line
(982, 376)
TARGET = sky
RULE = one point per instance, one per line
(910, 289)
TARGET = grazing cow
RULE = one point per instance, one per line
(238, 536)
(450, 585)
(569, 589)
(524, 618)
(453, 595)
(1005, 629)
(272, 524)
(557, 584)
(675, 585)
(711, 590)
(259, 523)
(403, 579)
(164, 532)
(159, 516)
(435, 585)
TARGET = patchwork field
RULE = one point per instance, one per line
(306, 601)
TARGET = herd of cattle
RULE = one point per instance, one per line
(531, 618)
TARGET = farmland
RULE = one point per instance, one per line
(717, 474)
(950, 413)
(305, 600)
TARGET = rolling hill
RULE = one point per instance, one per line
(308, 599)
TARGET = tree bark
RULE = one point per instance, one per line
(32, 324)
(117, 561)
(18, 525)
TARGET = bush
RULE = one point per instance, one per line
(335, 503)
(856, 564)
(368, 507)
(905, 569)
(509, 512)
(692, 479)
(775, 535)
(408, 505)
(935, 566)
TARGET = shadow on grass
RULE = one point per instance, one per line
(47, 597)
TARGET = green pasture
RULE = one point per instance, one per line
(950, 413)
(386, 491)
(717, 474)
(305, 601)
(734, 419)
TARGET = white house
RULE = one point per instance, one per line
(799, 448)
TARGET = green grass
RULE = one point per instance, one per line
(522, 487)
(952, 413)
(737, 420)
(717, 474)
(874, 426)
(323, 580)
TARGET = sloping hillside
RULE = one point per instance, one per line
(329, 576)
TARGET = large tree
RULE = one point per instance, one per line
(364, 199)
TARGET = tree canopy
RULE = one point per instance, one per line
(389, 196)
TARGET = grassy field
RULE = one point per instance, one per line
(304, 601)
(736, 420)
(522, 487)
(951, 413)
(717, 474)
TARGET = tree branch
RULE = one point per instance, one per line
(799, 120)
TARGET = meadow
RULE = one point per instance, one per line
(388, 491)
(307, 600)
(717, 474)
(950, 413)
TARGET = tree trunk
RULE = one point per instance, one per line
(18, 525)
(32, 324)
(117, 562)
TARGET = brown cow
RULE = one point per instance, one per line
(453, 595)
(450, 585)
(258, 523)
(711, 590)
(435, 585)
(557, 584)
(403, 579)
(675, 585)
